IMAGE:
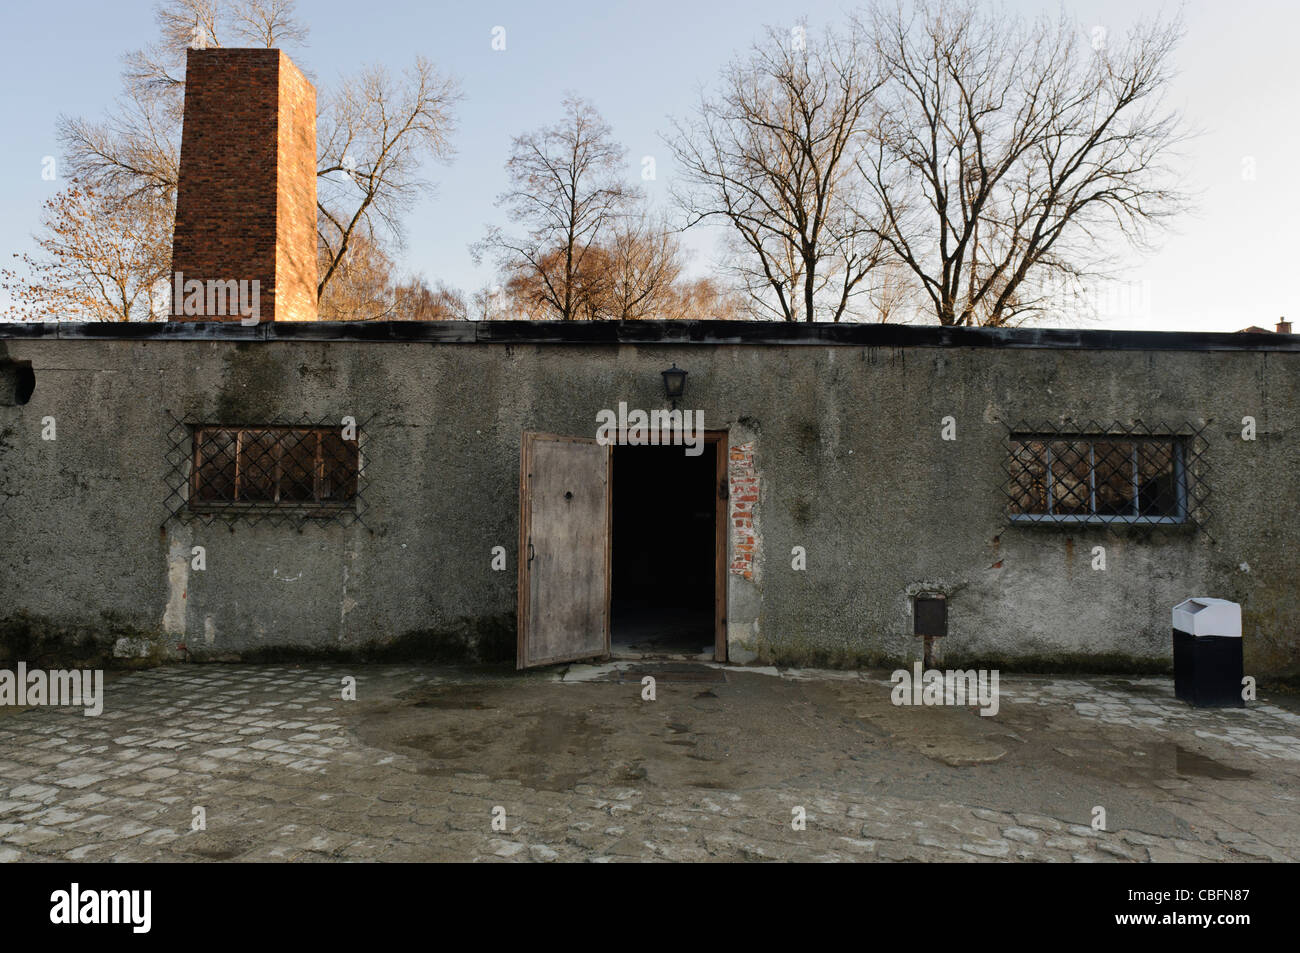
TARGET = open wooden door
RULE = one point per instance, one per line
(564, 549)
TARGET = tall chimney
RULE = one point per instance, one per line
(1283, 326)
(246, 199)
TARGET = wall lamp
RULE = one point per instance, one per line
(674, 383)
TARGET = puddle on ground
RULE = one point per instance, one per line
(450, 744)
(718, 731)
(455, 704)
(1189, 764)
(451, 697)
(550, 750)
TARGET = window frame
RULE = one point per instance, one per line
(1177, 443)
(308, 508)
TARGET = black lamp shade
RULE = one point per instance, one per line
(674, 382)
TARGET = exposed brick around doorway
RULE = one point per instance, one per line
(744, 503)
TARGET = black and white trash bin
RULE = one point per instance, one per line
(1207, 653)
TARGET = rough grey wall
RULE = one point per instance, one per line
(847, 447)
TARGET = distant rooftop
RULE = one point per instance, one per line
(1283, 327)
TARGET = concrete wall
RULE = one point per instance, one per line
(846, 446)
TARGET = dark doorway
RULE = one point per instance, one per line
(664, 559)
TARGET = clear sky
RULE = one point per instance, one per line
(1231, 264)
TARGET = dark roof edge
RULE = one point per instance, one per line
(658, 332)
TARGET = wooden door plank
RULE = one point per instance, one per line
(521, 605)
(564, 591)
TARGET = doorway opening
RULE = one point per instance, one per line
(668, 549)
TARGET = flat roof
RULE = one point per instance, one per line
(655, 332)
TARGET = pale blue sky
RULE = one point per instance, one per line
(1230, 265)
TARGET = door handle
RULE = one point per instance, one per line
(530, 550)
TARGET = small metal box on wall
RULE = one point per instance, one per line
(930, 615)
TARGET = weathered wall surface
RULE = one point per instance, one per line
(846, 447)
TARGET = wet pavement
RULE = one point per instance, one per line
(573, 763)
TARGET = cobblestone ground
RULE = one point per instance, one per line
(585, 769)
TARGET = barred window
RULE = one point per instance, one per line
(1098, 478)
(307, 468)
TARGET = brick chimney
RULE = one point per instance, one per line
(1283, 326)
(246, 199)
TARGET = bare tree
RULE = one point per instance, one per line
(527, 290)
(893, 293)
(641, 265)
(97, 260)
(565, 192)
(372, 140)
(772, 156)
(491, 303)
(1010, 157)
(362, 289)
(705, 299)
(416, 301)
(267, 22)
(632, 275)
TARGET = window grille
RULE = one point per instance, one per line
(279, 472)
(1107, 475)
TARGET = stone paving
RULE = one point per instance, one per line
(715, 768)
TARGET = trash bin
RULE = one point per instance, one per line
(1207, 653)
